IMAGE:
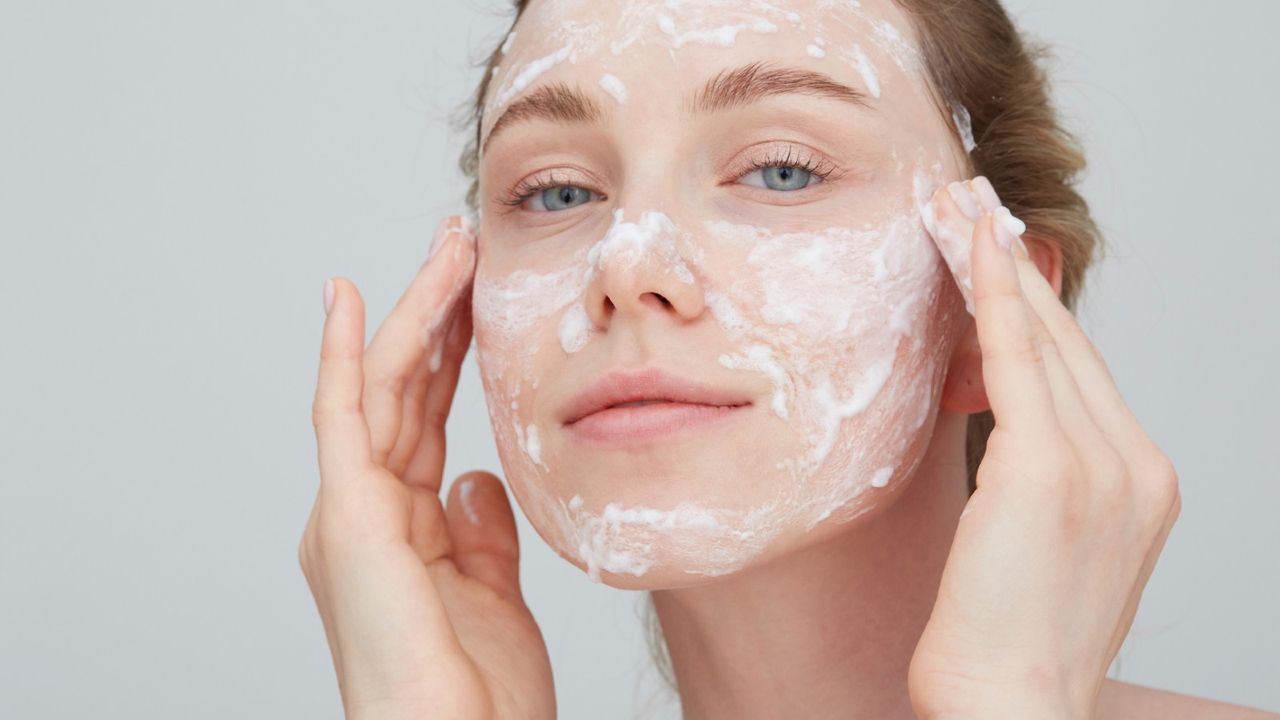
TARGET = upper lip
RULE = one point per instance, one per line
(645, 384)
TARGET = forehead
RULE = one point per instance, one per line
(670, 44)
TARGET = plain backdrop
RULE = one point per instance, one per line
(177, 179)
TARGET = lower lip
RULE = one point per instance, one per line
(642, 423)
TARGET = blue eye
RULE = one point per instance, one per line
(785, 177)
(562, 197)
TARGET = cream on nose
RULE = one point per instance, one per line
(636, 268)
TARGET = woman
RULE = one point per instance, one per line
(718, 283)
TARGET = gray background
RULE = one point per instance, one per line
(177, 180)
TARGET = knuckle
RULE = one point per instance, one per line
(319, 413)
(1165, 483)
(382, 380)
(1024, 348)
(1081, 338)
(435, 418)
(1155, 466)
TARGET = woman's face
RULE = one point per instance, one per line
(729, 191)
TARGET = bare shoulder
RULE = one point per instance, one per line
(1126, 701)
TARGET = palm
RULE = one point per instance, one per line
(495, 651)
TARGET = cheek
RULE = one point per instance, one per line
(846, 324)
(513, 316)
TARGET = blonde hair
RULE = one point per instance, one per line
(977, 60)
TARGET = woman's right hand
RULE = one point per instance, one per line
(421, 604)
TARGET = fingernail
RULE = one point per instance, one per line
(1008, 227)
(442, 231)
(468, 505)
(328, 295)
(986, 193)
(468, 228)
(1016, 226)
(964, 200)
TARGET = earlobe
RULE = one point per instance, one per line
(964, 391)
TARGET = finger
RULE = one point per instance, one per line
(1074, 417)
(342, 435)
(426, 468)
(1098, 386)
(483, 527)
(408, 333)
(1013, 368)
(414, 399)
(954, 215)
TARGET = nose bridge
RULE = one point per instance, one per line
(638, 268)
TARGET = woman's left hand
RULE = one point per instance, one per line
(1073, 502)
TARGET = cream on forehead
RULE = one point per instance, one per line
(571, 30)
(615, 87)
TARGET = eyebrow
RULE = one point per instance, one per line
(558, 102)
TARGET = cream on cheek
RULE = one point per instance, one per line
(838, 324)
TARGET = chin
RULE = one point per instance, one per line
(687, 519)
(651, 559)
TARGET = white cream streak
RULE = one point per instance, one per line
(612, 85)
(530, 72)
(964, 125)
(725, 35)
(868, 71)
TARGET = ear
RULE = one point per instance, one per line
(964, 391)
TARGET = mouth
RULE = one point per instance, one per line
(645, 405)
(649, 420)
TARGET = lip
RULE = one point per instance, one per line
(685, 404)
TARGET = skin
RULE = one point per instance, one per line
(969, 596)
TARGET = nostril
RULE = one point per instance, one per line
(665, 302)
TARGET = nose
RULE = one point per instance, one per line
(638, 269)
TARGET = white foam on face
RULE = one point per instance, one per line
(815, 51)
(868, 71)
(760, 358)
(612, 85)
(724, 36)
(964, 125)
(534, 444)
(515, 305)
(630, 243)
(506, 44)
(903, 53)
(530, 72)
(575, 328)
(881, 478)
(621, 538)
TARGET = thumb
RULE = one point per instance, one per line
(483, 528)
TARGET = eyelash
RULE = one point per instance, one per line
(810, 164)
(526, 188)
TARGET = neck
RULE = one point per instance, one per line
(827, 630)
